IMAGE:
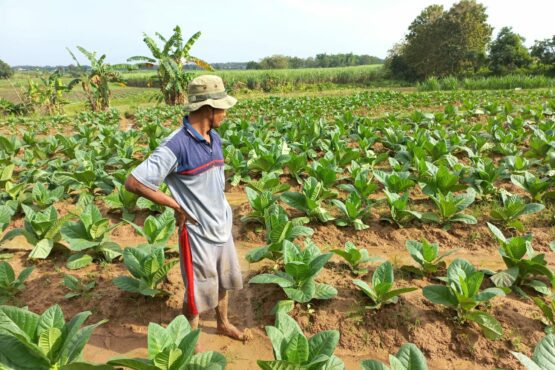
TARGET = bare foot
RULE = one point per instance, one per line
(231, 331)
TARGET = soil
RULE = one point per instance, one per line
(365, 334)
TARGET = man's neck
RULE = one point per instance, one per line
(201, 124)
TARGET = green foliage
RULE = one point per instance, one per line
(462, 293)
(6, 213)
(441, 43)
(381, 291)
(301, 266)
(409, 357)
(427, 255)
(293, 350)
(149, 269)
(353, 211)
(355, 257)
(169, 60)
(173, 348)
(48, 95)
(537, 187)
(309, 200)
(522, 263)
(450, 208)
(259, 203)
(44, 197)
(508, 54)
(41, 229)
(542, 358)
(76, 286)
(279, 228)
(157, 230)
(122, 199)
(9, 284)
(544, 52)
(5, 70)
(96, 80)
(46, 341)
(89, 237)
(513, 207)
(548, 310)
(400, 214)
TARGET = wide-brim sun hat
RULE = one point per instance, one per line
(208, 90)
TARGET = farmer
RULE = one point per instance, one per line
(191, 162)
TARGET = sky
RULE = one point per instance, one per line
(37, 32)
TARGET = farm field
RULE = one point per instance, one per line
(472, 171)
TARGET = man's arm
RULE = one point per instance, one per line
(158, 197)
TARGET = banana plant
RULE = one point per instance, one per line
(309, 200)
(259, 203)
(89, 237)
(173, 348)
(301, 269)
(537, 187)
(157, 230)
(122, 200)
(76, 286)
(149, 269)
(542, 358)
(9, 284)
(427, 255)
(409, 357)
(513, 207)
(44, 197)
(46, 341)
(355, 257)
(41, 229)
(522, 263)
(353, 211)
(450, 208)
(381, 292)
(462, 294)
(279, 228)
(293, 350)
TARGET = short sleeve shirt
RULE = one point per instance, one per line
(193, 169)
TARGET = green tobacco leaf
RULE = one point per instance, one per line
(78, 261)
(42, 249)
(490, 326)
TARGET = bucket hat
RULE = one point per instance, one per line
(208, 90)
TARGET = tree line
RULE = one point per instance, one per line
(458, 42)
(319, 61)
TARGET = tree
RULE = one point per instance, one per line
(48, 94)
(170, 60)
(5, 70)
(441, 43)
(544, 52)
(508, 53)
(96, 79)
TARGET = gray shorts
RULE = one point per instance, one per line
(207, 268)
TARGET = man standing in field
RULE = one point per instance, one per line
(190, 161)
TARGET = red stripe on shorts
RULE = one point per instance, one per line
(188, 262)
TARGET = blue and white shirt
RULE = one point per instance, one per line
(193, 169)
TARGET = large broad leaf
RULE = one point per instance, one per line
(49, 342)
(302, 294)
(544, 353)
(271, 279)
(297, 349)
(505, 278)
(277, 339)
(383, 274)
(411, 357)
(128, 284)
(78, 261)
(373, 365)
(42, 249)
(20, 355)
(440, 294)
(19, 321)
(7, 274)
(324, 291)
(207, 360)
(490, 326)
(323, 343)
(74, 344)
(157, 339)
(53, 317)
(168, 358)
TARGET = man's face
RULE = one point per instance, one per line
(219, 115)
